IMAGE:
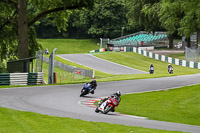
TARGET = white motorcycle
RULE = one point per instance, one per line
(108, 105)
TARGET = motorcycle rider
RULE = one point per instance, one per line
(117, 97)
(170, 69)
(151, 69)
(93, 85)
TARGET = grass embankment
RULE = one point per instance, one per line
(181, 105)
(69, 46)
(27, 122)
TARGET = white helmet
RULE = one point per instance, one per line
(118, 93)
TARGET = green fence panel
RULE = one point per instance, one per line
(32, 78)
(136, 50)
(187, 64)
(159, 57)
(4, 79)
(195, 65)
(153, 55)
(166, 58)
(128, 49)
(142, 52)
(131, 49)
(180, 63)
(147, 54)
(173, 60)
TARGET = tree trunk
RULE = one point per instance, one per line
(171, 45)
(187, 40)
(22, 30)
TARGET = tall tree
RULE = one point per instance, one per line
(107, 18)
(144, 14)
(181, 15)
(22, 29)
(26, 13)
(190, 21)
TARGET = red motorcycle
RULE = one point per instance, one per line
(108, 105)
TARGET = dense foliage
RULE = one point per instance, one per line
(103, 18)
(17, 17)
(173, 16)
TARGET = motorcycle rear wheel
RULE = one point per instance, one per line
(107, 109)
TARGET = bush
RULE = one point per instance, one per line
(3, 67)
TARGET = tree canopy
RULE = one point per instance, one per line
(104, 18)
(173, 16)
(18, 17)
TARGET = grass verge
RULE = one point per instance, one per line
(179, 105)
(28, 122)
(68, 46)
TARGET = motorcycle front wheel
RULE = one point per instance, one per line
(83, 92)
(97, 110)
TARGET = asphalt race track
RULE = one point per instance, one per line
(100, 64)
(64, 101)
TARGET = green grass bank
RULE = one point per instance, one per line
(28, 122)
(180, 105)
(69, 46)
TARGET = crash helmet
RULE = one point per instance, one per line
(118, 93)
(93, 81)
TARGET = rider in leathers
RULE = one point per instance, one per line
(116, 95)
(93, 84)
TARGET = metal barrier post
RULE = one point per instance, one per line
(51, 67)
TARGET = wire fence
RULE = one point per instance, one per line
(70, 73)
(39, 60)
(192, 54)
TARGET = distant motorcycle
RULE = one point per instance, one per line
(170, 70)
(108, 105)
(86, 89)
(151, 70)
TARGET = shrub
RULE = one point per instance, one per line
(3, 67)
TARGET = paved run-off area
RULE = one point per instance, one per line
(96, 63)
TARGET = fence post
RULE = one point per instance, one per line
(51, 67)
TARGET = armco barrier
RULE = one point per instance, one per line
(18, 78)
(4, 79)
(164, 58)
(21, 78)
(35, 78)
